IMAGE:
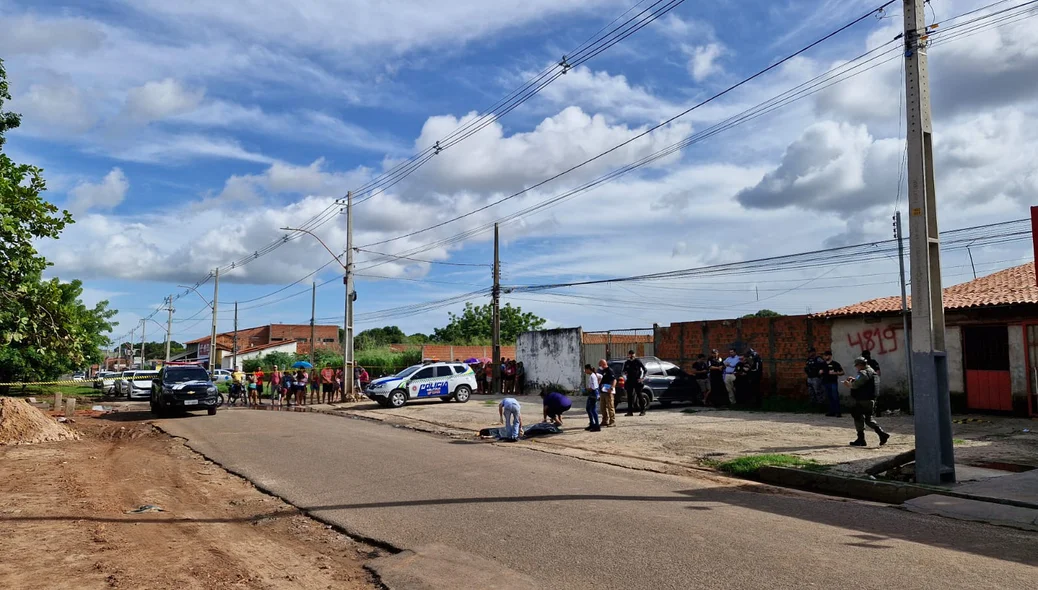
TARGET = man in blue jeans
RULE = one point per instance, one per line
(830, 372)
(512, 418)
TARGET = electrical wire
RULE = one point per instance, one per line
(646, 132)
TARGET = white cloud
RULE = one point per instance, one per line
(602, 93)
(53, 109)
(318, 24)
(106, 194)
(491, 161)
(27, 34)
(702, 62)
(160, 99)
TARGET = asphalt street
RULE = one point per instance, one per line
(577, 524)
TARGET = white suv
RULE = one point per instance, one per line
(445, 381)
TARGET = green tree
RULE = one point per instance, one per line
(418, 338)
(45, 329)
(378, 338)
(283, 360)
(475, 325)
(324, 357)
(764, 313)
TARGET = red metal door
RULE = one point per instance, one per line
(986, 365)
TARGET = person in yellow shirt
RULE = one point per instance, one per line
(238, 383)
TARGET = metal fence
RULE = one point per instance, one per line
(614, 344)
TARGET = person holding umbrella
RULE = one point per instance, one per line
(301, 381)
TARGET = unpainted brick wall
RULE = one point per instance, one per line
(782, 343)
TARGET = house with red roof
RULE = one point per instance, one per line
(991, 334)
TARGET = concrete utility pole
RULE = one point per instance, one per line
(351, 296)
(496, 299)
(899, 236)
(234, 345)
(144, 325)
(133, 345)
(212, 336)
(935, 457)
(169, 324)
(313, 315)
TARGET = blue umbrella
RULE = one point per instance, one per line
(302, 365)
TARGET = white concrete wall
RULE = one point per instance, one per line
(551, 356)
(885, 339)
(956, 375)
(226, 361)
(1017, 361)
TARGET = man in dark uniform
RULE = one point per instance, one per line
(756, 371)
(634, 371)
(863, 391)
(830, 372)
(744, 380)
(701, 371)
(813, 368)
(873, 363)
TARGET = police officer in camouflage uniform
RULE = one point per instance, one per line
(864, 388)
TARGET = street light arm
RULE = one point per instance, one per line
(334, 255)
(204, 300)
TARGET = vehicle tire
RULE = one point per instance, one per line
(397, 398)
(219, 400)
(211, 411)
(462, 393)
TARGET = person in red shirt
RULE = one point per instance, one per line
(327, 384)
(364, 379)
(259, 384)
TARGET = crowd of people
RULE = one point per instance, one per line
(513, 376)
(290, 386)
(735, 379)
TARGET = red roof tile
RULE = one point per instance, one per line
(1011, 286)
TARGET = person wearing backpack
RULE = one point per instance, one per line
(864, 387)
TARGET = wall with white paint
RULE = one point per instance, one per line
(551, 356)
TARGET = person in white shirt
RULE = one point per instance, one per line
(592, 399)
(729, 374)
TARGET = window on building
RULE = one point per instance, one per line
(328, 340)
(303, 340)
(277, 339)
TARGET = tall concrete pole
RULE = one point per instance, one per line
(133, 345)
(234, 345)
(313, 316)
(899, 236)
(496, 306)
(351, 296)
(169, 324)
(212, 336)
(935, 457)
(144, 357)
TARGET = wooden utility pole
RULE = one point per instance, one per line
(935, 456)
(212, 336)
(313, 316)
(496, 305)
(169, 324)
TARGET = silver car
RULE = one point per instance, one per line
(140, 385)
(121, 384)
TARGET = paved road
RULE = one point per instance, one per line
(584, 525)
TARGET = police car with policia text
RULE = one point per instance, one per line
(446, 381)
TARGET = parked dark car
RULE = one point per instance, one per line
(664, 382)
(183, 387)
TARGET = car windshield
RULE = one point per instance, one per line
(408, 371)
(180, 375)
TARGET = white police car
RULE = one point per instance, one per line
(446, 381)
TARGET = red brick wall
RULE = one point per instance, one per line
(781, 342)
(286, 332)
(442, 352)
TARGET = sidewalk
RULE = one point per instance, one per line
(684, 435)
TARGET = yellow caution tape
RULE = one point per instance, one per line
(83, 382)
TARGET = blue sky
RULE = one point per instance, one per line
(183, 135)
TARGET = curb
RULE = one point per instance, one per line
(888, 492)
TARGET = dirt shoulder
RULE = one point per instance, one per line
(64, 521)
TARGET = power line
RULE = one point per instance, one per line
(643, 133)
